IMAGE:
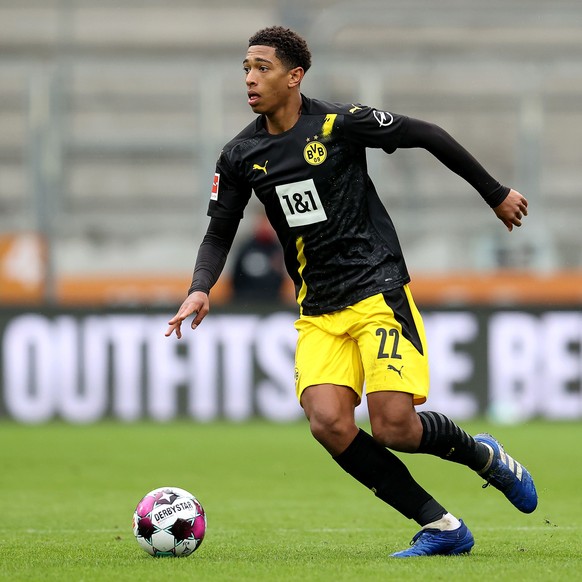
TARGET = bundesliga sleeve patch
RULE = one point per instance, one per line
(214, 191)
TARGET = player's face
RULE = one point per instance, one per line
(267, 80)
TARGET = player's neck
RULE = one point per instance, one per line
(284, 118)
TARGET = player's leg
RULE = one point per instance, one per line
(443, 533)
(397, 425)
(393, 351)
(391, 399)
(392, 341)
(330, 411)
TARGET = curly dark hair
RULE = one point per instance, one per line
(290, 48)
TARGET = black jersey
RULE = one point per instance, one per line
(339, 242)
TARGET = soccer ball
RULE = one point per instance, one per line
(169, 521)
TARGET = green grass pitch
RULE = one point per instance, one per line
(278, 508)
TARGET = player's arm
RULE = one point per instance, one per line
(209, 265)
(509, 205)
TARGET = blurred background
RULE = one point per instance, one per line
(113, 112)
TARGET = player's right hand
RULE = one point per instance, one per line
(196, 303)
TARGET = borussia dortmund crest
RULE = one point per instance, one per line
(315, 153)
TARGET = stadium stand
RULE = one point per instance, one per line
(113, 113)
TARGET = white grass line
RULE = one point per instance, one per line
(474, 527)
(548, 527)
(33, 531)
(319, 530)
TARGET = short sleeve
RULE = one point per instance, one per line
(374, 128)
(230, 193)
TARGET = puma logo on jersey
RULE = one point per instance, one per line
(262, 168)
(355, 108)
(395, 369)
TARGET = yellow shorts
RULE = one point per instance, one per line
(379, 340)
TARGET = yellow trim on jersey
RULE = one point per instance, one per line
(327, 126)
(302, 262)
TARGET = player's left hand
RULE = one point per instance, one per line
(512, 209)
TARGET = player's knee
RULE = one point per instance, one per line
(330, 429)
(324, 425)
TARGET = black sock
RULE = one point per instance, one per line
(443, 438)
(386, 475)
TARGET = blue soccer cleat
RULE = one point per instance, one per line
(509, 476)
(434, 542)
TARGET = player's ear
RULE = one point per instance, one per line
(295, 76)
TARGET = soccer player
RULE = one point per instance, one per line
(305, 160)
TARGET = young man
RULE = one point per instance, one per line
(305, 160)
